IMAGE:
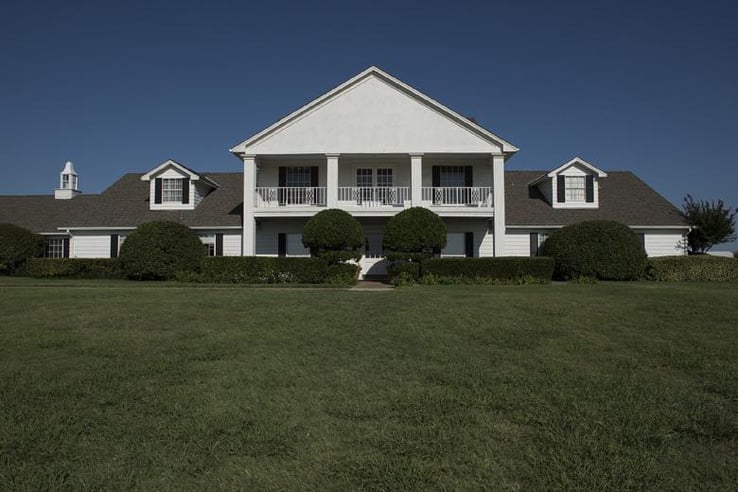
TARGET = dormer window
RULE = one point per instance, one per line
(173, 186)
(171, 190)
(574, 184)
(575, 189)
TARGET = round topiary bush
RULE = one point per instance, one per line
(601, 249)
(160, 251)
(334, 235)
(17, 244)
(414, 234)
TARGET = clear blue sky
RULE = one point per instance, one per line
(647, 86)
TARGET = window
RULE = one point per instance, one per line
(54, 248)
(298, 177)
(213, 244)
(575, 188)
(171, 190)
(375, 191)
(209, 242)
(536, 241)
(452, 176)
(65, 181)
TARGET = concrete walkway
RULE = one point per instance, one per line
(372, 285)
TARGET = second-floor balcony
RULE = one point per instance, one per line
(352, 197)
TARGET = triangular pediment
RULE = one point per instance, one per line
(373, 113)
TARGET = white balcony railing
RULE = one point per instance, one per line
(373, 197)
(274, 196)
(468, 196)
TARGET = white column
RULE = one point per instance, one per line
(249, 198)
(498, 177)
(331, 180)
(416, 179)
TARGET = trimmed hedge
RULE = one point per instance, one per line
(273, 270)
(333, 234)
(161, 251)
(403, 273)
(512, 269)
(414, 234)
(602, 249)
(17, 245)
(92, 268)
(695, 267)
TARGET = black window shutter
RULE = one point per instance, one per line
(157, 190)
(314, 176)
(560, 189)
(469, 176)
(113, 245)
(65, 250)
(469, 244)
(282, 244)
(219, 244)
(590, 188)
(534, 244)
(436, 176)
(186, 190)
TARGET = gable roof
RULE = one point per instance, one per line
(373, 72)
(576, 161)
(193, 175)
(622, 197)
(125, 204)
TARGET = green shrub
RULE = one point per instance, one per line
(510, 269)
(17, 245)
(161, 251)
(414, 234)
(693, 267)
(74, 268)
(273, 270)
(403, 273)
(334, 235)
(602, 249)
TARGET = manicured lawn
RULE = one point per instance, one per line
(114, 385)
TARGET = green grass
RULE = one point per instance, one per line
(117, 385)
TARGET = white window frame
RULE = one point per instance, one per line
(172, 190)
(575, 190)
(54, 247)
(208, 240)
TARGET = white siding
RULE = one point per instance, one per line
(90, 246)
(517, 243)
(483, 244)
(664, 243)
(200, 190)
(267, 233)
(232, 244)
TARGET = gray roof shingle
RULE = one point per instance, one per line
(124, 204)
(622, 197)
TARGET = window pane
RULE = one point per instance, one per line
(384, 178)
(54, 248)
(297, 177)
(364, 178)
(452, 176)
(171, 190)
(575, 189)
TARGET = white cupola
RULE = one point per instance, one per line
(68, 183)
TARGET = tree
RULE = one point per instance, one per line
(334, 235)
(161, 250)
(16, 246)
(712, 223)
(414, 234)
(602, 249)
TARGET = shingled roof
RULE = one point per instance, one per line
(124, 204)
(622, 197)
